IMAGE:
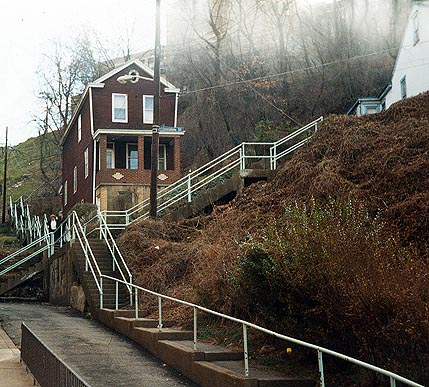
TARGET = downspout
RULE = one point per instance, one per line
(175, 109)
(94, 149)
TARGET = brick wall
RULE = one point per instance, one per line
(73, 155)
(102, 102)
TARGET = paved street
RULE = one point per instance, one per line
(100, 356)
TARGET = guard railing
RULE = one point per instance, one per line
(245, 325)
(261, 155)
(77, 231)
(47, 368)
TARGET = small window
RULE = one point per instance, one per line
(416, 35)
(403, 87)
(75, 180)
(132, 156)
(65, 193)
(119, 108)
(110, 155)
(162, 157)
(148, 109)
(79, 128)
(86, 158)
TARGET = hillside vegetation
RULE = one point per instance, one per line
(334, 250)
(24, 175)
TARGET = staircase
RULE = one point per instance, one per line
(258, 158)
(209, 365)
(89, 284)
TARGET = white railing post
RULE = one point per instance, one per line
(101, 293)
(242, 158)
(392, 382)
(131, 290)
(195, 328)
(189, 189)
(159, 312)
(136, 302)
(117, 295)
(52, 244)
(245, 349)
(127, 218)
(320, 361)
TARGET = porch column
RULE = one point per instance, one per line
(177, 153)
(103, 148)
(140, 148)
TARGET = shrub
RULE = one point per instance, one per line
(335, 276)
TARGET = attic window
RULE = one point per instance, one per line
(119, 107)
(404, 87)
(416, 36)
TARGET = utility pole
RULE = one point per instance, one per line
(3, 214)
(156, 121)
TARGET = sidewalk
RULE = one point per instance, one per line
(12, 372)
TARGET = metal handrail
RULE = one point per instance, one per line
(46, 366)
(320, 350)
(79, 231)
(114, 250)
(197, 179)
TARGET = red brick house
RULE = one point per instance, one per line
(106, 147)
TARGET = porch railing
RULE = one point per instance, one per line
(266, 154)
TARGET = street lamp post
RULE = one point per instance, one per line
(134, 77)
(155, 127)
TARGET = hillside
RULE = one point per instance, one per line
(23, 170)
(333, 250)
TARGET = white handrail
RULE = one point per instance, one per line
(113, 248)
(77, 226)
(197, 179)
(393, 377)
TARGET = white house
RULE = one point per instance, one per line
(411, 71)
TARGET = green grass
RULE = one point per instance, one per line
(23, 167)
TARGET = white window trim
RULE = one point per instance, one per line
(146, 121)
(113, 154)
(165, 156)
(416, 32)
(75, 179)
(86, 158)
(65, 193)
(113, 107)
(128, 155)
(403, 87)
(79, 128)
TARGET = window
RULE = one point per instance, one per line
(162, 158)
(119, 108)
(65, 193)
(416, 36)
(110, 155)
(383, 105)
(403, 87)
(148, 109)
(75, 180)
(86, 157)
(132, 156)
(79, 128)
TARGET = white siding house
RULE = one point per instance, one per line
(411, 71)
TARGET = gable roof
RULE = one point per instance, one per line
(99, 83)
(170, 87)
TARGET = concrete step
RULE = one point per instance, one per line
(208, 366)
(231, 373)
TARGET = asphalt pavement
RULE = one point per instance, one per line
(97, 354)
